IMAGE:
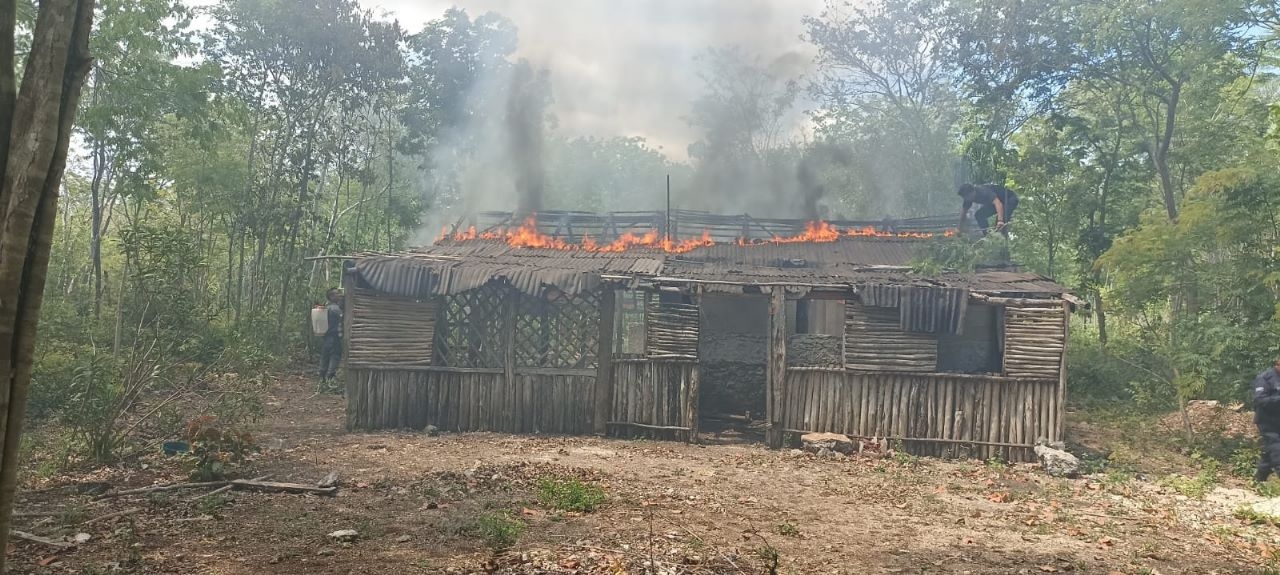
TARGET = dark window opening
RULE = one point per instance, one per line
(978, 347)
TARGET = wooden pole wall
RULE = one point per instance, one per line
(604, 362)
(939, 415)
(775, 398)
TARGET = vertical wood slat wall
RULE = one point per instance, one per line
(654, 398)
(391, 384)
(470, 401)
(934, 415)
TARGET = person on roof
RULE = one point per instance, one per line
(994, 200)
(1266, 414)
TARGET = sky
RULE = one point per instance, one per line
(629, 67)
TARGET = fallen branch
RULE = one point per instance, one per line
(159, 488)
(129, 511)
(250, 484)
(38, 539)
(274, 487)
(223, 489)
(1105, 516)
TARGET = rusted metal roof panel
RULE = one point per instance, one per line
(873, 266)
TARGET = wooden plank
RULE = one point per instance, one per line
(776, 365)
(604, 361)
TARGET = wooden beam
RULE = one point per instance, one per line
(1058, 433)
(646, 426)
(348, 319)
(776, 365)
(604, 361)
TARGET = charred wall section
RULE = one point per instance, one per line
(734, 347)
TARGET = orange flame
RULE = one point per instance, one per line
(527, 235)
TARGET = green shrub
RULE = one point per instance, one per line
(570, 495)
(1244, 460)
(499, 531)
(1196, 487)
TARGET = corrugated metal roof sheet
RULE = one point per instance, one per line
(868, 264)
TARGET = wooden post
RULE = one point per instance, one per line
(777, 365)
(348, 319)
(604, 361)
(1057, 433)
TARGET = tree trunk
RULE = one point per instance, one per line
(39, 123)
(1160, 156)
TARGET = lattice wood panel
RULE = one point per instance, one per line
(471, 334)
(875, 341)
(390, 331)
(671, 329)
(559, 332)
(1034, 340)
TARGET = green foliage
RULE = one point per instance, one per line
(1243, 462)
(788, 530)
(570, 495)
(960, 254)
(498, 530)
(1195, 487)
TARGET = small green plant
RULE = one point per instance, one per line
(788, 530)
(905, 459)
(570, 495)
(211, 504)
(499, 531)
(996, 464)
(72, 514)
(1251, 515)
(1196, 487)
(1244, 461)
(1269, 489)
(770, 556)
(215, 447)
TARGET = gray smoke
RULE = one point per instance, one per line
(625, 68)
(818, 156)
(527, 99)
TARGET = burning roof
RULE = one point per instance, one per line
(575, 256)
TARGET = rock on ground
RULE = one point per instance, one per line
(345, 535)
(816, 442)
(1057, 462)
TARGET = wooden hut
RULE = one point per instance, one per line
(834, 336)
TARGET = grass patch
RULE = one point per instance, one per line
(1195, 487)
(787, 530)
(499, 531)
(1249, 515)
(570, 495)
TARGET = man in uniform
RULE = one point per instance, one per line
(1266, 414)
(994, 199)
(331, 347)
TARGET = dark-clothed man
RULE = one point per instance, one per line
(993, 200)
(1266, 414)
(331, 347)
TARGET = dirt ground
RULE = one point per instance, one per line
(671, 508)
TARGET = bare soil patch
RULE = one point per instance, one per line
(423, 505)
